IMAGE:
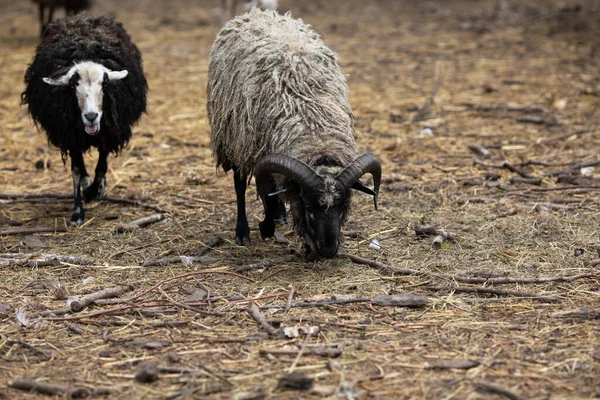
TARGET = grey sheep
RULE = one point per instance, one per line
(278, 107)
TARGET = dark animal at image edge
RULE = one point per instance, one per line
(47, 8)
(86, 88)
(278, 108)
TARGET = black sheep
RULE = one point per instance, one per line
(86, 88)
(71, 7)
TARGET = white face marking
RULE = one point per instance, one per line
(87, 78)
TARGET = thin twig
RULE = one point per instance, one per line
(25, 230)
(467, 279)
(261, 319)
(78, 305)
(489, 388)
(290, 299)
(500, 292)
(48, 388)
(140, 223)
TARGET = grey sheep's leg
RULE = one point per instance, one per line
(79, 174)
(95, 190)
(242, 231)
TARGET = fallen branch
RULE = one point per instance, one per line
(583, 313)
(489, 388)
(258, 265)
(329, 353)
(480, 150)
(567, 135)
(467, 279)
(499, 292)
(261, 319)
(290, 299)
(38, 260)
(49, 388)
(140, 223)
(592, 263)
(512, 168)
(26, 230)
(440, 235)
(161, 262)
(574, 168)
(502, 107)
(78, 305)
(111, 199)
(505, 213)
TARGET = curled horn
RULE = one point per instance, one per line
(291, 167)
(365, 163)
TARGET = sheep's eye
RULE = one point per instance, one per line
(74, 79)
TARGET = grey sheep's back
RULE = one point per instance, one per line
(274, 87)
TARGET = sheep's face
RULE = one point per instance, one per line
(319, 217)
(87, 80)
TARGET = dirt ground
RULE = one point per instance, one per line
(485, 115)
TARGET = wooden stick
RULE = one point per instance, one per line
(489, 388)
(140, 223)
(261, 319)
(458, 289)
(467, 279)
(36, 260)
(68, 197)
(329, 353)
(25, 230)
(48, 388)
(583, 313)
(78, 305)
(290, 298)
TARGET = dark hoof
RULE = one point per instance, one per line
(242, 241)
(95, 191)
(267, 229)
(77, 218)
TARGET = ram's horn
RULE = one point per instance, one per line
(363, 164)
(297, 170)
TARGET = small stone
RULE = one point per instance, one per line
(147, 373)
(296, 381)
(426, 132)
(173, 357)
(578, 252)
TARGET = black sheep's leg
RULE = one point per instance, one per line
(42, 22)
(242, 231)
(271, 205)
(95, 190)
(50, 15)
(77, 173)
(281, 213)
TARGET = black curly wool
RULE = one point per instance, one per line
(55, 109)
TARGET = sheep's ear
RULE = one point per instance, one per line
(62, 81)
(116, 75)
